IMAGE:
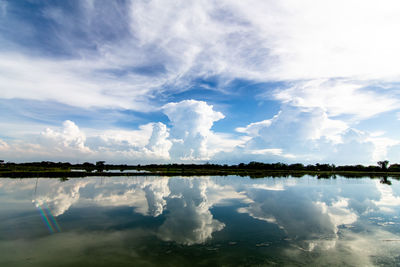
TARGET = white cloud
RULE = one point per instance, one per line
(222, 142)
(189, 138)
(262, 41)
(149, 142)
(339, 97)
(118, 139)
(65, 81)
(309, 135)
(293, 131)
(271, 151)
(294, 134)
(191, 128)
(63, 143)
(296, 125)
(159, 144)
(337, 57)
(254, 128)
(3, 145)
(70, 137)
(311, 40)
(382, 145)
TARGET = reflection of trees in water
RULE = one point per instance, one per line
(385, 180)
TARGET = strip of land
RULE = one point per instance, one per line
(252, 169)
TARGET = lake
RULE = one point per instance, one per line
(199, 221)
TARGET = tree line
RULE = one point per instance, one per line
(100, 166)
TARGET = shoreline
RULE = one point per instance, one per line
(196, 172)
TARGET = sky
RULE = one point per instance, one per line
(147, 81)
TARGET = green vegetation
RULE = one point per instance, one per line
(252, 169)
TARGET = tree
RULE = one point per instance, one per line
(383, 164)
(394, 167)
(88, 167)
(100, 166)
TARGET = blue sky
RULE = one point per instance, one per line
(200, 81)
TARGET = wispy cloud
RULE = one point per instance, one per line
(161, 45)
(336, 63)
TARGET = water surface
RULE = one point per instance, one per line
(181, 221)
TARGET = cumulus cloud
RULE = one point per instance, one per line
(308, 134)
(66, 143)
(149, 141)
(355, 147)
(189, 137)
(339, 97)
(159, 144)
(297, 125)
(69, 137)
(293, 132)
(191, 127)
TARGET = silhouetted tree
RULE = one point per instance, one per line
(88, 167)
(383, 164)
(100, 166)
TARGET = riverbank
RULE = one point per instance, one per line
(197, 172)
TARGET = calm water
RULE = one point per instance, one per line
(210, 221)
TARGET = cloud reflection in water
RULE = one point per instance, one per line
(310, 216)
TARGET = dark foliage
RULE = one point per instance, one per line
(252, 169)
